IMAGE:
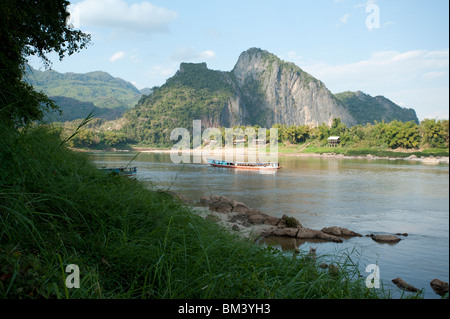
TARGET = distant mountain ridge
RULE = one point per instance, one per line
(367, 109)
(73, 109)
(98, 87)
(261, 90)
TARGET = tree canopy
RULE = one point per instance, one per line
(31, 27)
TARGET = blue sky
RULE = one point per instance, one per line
(395, 48)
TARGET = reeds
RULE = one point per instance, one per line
(129, 241)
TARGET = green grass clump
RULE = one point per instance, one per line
(290, 221)
(57, 209)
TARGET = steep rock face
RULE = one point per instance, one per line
(232, 113)
(275, 91)
(261, 89)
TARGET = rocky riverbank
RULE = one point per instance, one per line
(255, 225)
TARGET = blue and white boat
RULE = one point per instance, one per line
(244, 165)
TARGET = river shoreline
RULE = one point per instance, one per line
(288, 232)
(427, 160)
(379, 181)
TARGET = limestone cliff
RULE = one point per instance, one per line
(275, 91)
(261, 89)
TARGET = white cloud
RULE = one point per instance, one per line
(118, 14)
(438, 115)
(162, 71)
(207, 54)
(435, 75)
(417, 78)
(135, 84)
(344, 18)
(117, 56)
(189, 54)
(383, 67)
(427, 102)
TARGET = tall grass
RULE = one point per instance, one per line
(57, 209)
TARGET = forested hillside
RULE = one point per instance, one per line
(368, 109)
(195, 92)
(72, 109)
(261, 90)
(99, 88)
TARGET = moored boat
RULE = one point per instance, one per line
(244, 165)
(122, 171)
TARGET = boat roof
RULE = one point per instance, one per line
(211, 159)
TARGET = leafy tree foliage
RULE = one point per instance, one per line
(85, 138)
(293, 134)
(435, 133)
(396, 134)
(31, 27)
(73, 109)
(114, 138)
(89, 138)
(393, 135)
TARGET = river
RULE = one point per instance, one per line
(366, 196)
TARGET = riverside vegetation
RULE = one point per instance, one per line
(261, 90)
(128, 239)
(395, 139)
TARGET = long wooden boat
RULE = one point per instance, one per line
(122, 171)
(244, 165)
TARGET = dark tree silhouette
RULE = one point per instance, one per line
(31, 27)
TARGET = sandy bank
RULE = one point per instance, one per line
(429, 160)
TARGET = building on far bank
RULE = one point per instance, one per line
(260, 141)
(333, 141)
(242, 140)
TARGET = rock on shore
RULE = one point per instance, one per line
(238, 216)
(251, 222)
(387, 239)
(440, 287)
(340, 232)
(254, 224)
(400, 283)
